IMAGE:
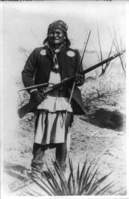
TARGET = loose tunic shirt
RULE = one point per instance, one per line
(51, 114)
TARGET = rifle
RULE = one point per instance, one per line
(33, 104)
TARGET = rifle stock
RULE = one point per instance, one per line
(33, 104)
(22, 111)
(27, 108)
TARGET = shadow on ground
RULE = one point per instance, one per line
(15, 170)
(106, 119)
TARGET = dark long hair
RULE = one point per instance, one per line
(66, 40)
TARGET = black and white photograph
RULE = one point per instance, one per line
(63, 98)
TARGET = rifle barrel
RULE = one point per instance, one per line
(101, 63)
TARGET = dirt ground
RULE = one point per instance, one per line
(98, 135)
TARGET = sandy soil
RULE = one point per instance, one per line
(95, 136)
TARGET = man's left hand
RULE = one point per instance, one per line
(78, 78)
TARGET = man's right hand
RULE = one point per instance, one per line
(39, 97)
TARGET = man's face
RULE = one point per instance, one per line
(56, 36)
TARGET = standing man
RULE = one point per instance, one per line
(51, 64)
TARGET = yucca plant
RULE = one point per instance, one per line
(82, 182)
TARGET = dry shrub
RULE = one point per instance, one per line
(107, 90)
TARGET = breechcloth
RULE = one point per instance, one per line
(61, 149)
